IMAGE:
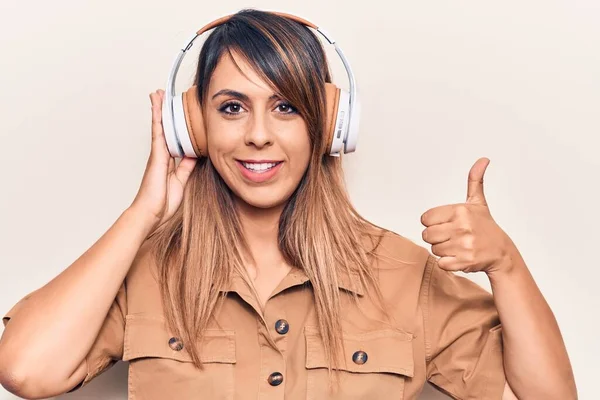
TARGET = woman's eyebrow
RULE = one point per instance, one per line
(239, 95)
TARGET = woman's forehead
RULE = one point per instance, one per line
(237, 74)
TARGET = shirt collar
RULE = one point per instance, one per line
(346, 281)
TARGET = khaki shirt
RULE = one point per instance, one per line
(447, 332)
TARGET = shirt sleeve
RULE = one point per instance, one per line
(108, 346)
(463, 336)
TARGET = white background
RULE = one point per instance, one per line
(441, 83)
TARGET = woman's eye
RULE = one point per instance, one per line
(231, 108)
(286, 108)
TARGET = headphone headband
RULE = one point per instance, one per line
(224, 19)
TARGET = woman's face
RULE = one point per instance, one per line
(257, 142)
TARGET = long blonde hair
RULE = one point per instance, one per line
(197, 250)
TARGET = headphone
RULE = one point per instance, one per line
(184, 126)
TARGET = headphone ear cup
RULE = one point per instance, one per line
(194, 121)
(332, 98)
(340, 113)
(168, 124)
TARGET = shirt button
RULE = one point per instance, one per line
(360, 357)
(175, 344)
(275, 379)
(282, 327)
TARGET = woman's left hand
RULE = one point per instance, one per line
(465, 236)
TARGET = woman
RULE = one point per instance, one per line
(248, 274)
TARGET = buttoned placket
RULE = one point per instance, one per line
(273, 370)
(272, 343)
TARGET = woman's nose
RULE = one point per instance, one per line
(258, 133)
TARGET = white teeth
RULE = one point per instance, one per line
(259, 167)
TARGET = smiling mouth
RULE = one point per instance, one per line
(259, 167)
(259, 171)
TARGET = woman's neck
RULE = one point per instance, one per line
(260, 227)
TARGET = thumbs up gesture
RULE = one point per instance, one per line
(465, 235)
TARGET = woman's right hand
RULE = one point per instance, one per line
(161, 190)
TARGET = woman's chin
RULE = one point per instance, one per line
(264, 199)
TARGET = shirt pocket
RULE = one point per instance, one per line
(375, 365)
(160, 366)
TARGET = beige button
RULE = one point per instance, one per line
(360, 357)
(175, 344)
(275, 379)
(282, 327)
